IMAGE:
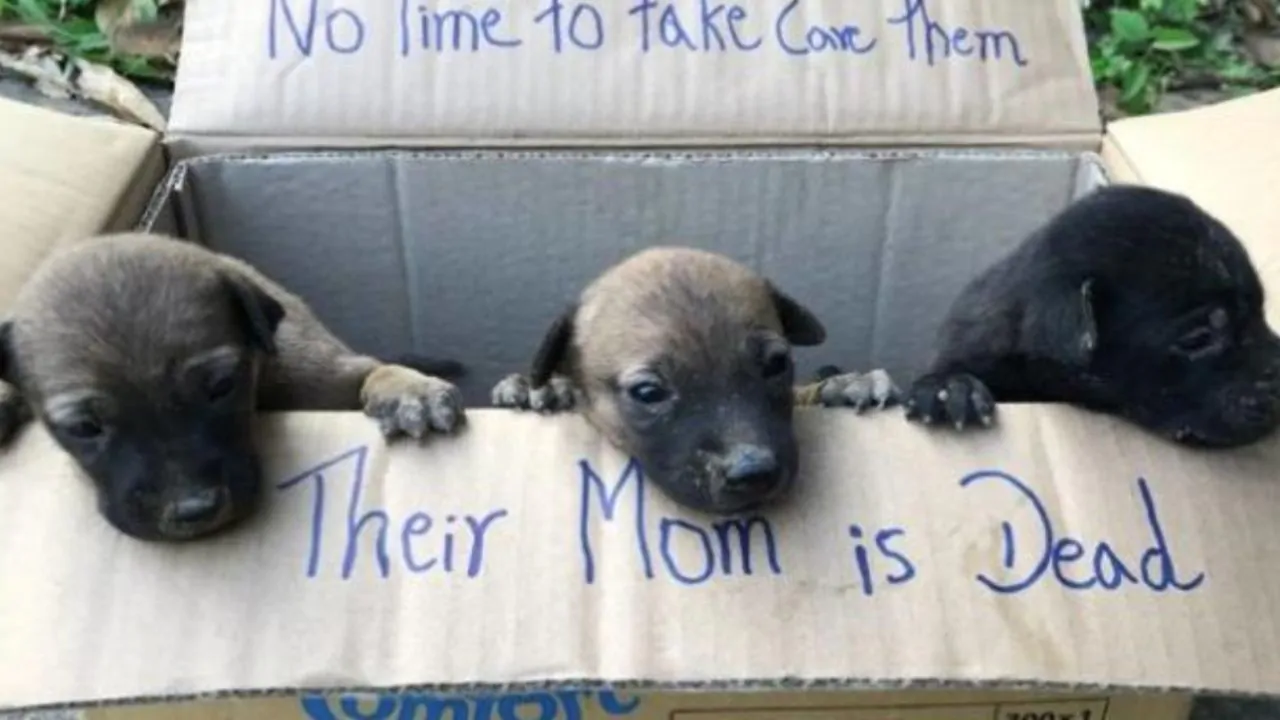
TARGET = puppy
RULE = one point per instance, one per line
(682, 359)
(1133, 302)
(146, 358)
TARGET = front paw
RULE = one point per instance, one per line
(406, 402)
(858, 390)
(514, 392)
(959, 399)
(14, 413)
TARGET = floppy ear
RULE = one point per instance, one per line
(1059, 324)
(799, 326)
(6, 351)
(554, 349)
(259, 313)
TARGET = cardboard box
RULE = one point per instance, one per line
(64, 177)
(1064, 565)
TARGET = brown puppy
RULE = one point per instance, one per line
(682, 359)
(146, 358)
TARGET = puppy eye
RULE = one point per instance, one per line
(775, 365)
(648, 393)
(1197, 341)
(83, 428)
(221, 387)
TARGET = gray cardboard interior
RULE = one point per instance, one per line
(472, 254)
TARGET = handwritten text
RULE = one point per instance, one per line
(423, 546)
(307, 28)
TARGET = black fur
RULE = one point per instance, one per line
(259, 313)
(6, 352)
(553, 352)
(800, 326)
(1133, 302)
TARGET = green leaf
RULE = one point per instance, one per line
(1135, 82)
(1171, 39)
(1183, 11)
(1129, 26)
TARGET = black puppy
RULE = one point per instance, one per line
(1133, 302)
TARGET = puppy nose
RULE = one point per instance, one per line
(196, 508)
(750, 466)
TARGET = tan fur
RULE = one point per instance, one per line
(713, 339)
(80, 322)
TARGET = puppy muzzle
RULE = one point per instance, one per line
(193, 514)
(744, 477)
(1240, 417)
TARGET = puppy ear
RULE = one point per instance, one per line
(1059, 324)
(259, 313)
(554, 349)
(6, 351)
(800, 326)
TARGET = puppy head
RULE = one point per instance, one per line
(683, 359)
(140, 355)
(1156, 311)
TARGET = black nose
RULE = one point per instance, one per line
(196, 508)
(750, 467)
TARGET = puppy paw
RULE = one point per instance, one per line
(14, 413)
(514, 392)
(858, 390)
(958, 399)
(406, 402)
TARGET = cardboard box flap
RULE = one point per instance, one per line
(351, 72)
(1062, 549)
(64, 177)
(1225, 156)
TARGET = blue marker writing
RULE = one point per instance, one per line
(930, 39)
(719, 549)
(344, 30)
(426, 543)
(1102, 566)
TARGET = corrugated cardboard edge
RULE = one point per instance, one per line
(183, 146)
(647, 686)
(164, 212)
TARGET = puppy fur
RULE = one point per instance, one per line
(682, 359)
(1133, 302)
(147, 357)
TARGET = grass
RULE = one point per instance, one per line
(1142, 49)
(90, 29)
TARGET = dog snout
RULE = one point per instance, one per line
(750, 468)
(196, 509)
(195, 513)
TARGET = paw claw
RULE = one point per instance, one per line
(961, 400)
(515, 392)
(406, 402)
(511, 392)
(859, 391)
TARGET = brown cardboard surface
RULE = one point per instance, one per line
(450, 566)
(871, 578)
(64, 177)
(342, 72)
(600, 705)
